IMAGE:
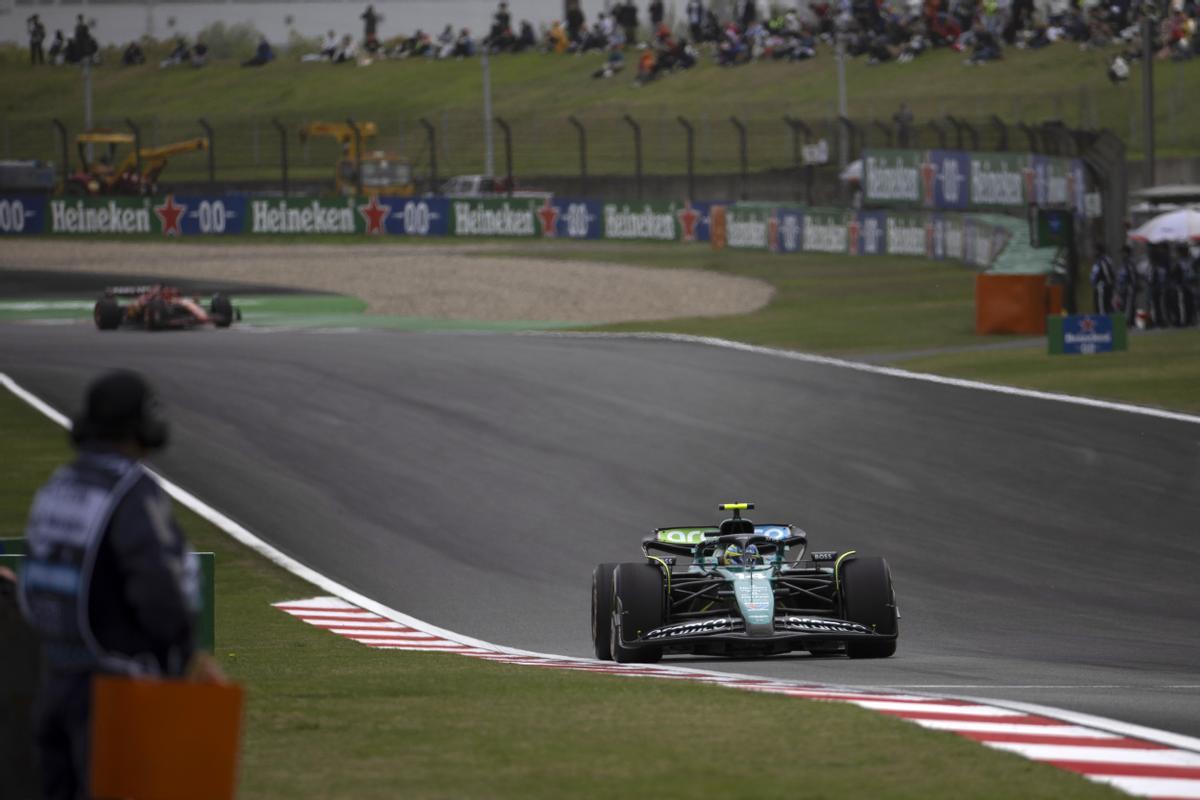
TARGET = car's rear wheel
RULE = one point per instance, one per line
(221, 310)
(155, 315)
(869, 599)
(639, 601)
(107, 314)
(602, 608)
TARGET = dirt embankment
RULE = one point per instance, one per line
(451, 282)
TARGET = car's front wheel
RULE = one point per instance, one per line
(602, 608)
(638, 607)
(107, 314)
(869, 599)
(221, 310)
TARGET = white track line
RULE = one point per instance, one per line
(893, 372)
(345, 600)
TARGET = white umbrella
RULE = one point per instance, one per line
(1182, 225)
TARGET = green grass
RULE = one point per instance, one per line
(328, 718)
(535, 93)
(1158, 369)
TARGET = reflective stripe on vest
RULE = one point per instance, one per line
(66, 527)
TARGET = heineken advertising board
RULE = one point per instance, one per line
(111, 215)
(828, 231)
(570, 218)
(909, 234)
(789, 230)
(998, 179)
(305, 217)
(1085, 334)
(944, 178)
(658, 221)
(750, 226)
(760, 226)
(868, 232)
(494, 217)
(22, 214)
(893, 177)
(955, 180)
(406, 216)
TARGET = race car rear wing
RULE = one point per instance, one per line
(127, 291)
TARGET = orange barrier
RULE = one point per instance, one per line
(156, 739)
(1014, 303)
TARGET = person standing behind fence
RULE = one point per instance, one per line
(656, 14)
(1127, 286)
(108, 584)
(1180, 291)
(627, 17)
(370, 25)
(695, 20)
(37, 35)
(1102, 281)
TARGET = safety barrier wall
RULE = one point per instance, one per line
(758, 226)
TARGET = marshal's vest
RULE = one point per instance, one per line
(66, 526)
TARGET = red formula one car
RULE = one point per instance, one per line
(159, 307)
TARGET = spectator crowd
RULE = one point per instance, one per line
(1153, 286)
(734, 32)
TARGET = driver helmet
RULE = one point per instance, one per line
(736, 556)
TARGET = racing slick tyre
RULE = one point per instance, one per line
(155, 315)
(107, 314)
(221, 310)
(868, 599)
(638, 600)
(602, 608)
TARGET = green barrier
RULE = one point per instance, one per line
(206, 628)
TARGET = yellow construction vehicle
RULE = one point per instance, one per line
(136, 173)
(372, 172)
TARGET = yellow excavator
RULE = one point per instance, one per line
(372, 172)
(137, 173)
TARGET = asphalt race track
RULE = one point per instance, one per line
(1043, 552)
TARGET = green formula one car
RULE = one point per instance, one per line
(742, 589)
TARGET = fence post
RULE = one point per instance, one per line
(66, 163)
(357, 155)
(852, 133)
(582, 151)
(958, 134)
(637, 152)
(797, 157)
(941, 133)
(137, 150)
(691, 158)
(1029, 133)
(1002, 140)
(283, 153)
(743, 156)
(887, 131)
(212, 158)
(431, 133)
(508, 170)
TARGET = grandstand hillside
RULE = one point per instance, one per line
(536, 93)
